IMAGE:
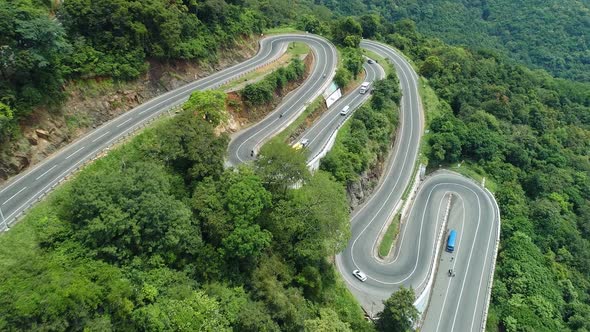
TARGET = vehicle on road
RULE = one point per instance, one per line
(359, 275)
(370, 61)
(304, 142)
(451, 241)
(345, 110)
(365, 87)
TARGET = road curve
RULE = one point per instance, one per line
(245, 144)
(457, 303)
(27, 188)
(322, 133)
(368, 220)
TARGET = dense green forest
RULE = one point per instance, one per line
(158, 236)
(263, 92)
(43, 45)
(549, 34)
(366, 138)
(530, 133)
(41, 48)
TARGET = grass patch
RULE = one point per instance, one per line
(433, 106)
(310, 109)
(390, 234)
(339, 298)
(76, 121)
(409, 186)
(92, 88)
(387, 66)
(297, 49)
(475, 172)
(283, 29)
(293, 51)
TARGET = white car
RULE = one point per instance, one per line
(345, 110)
(304, 142)
(359, 275)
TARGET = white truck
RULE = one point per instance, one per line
(365, 87)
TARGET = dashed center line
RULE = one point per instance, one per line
(75, 152)
(124, 122)
(99, 137)
(11, 197)
(47, 171)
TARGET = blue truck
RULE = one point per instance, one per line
(451, 240)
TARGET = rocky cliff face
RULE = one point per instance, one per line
(358, 191)
(93, 102)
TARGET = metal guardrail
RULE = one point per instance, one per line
(88, 159)
(434, 263)
(124, 136)
(493, 268)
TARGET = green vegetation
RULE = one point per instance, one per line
(295, 50)
(390, 234)
(298, 49)
(528, 134)
(96, 39)
(366, 138)
(263, 92)
(280, 30)
(399, 312)
(158, 236)
(350, 66)
(554, 35)
(383, 62)
(309, 111)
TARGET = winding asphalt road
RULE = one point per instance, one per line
(245, 144)
(326, 127)
(27, 188)
(457, 303)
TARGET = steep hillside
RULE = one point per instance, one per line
(549, 34)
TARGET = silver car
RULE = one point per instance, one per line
(359, 275)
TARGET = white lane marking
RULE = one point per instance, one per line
(464, 187)
(301, 89)
(11, 197)
(387, 202)
(397, 146)
(353, 96)
(99, 137)
(47, 171)
(419, 242)
(468, 262)
(124, 122)
(68, 157)
(49, 184)
(453, 265)
(199, 84)
(483, 268)
(349, 99)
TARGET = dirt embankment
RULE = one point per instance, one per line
(92, 102)
(358, 191)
